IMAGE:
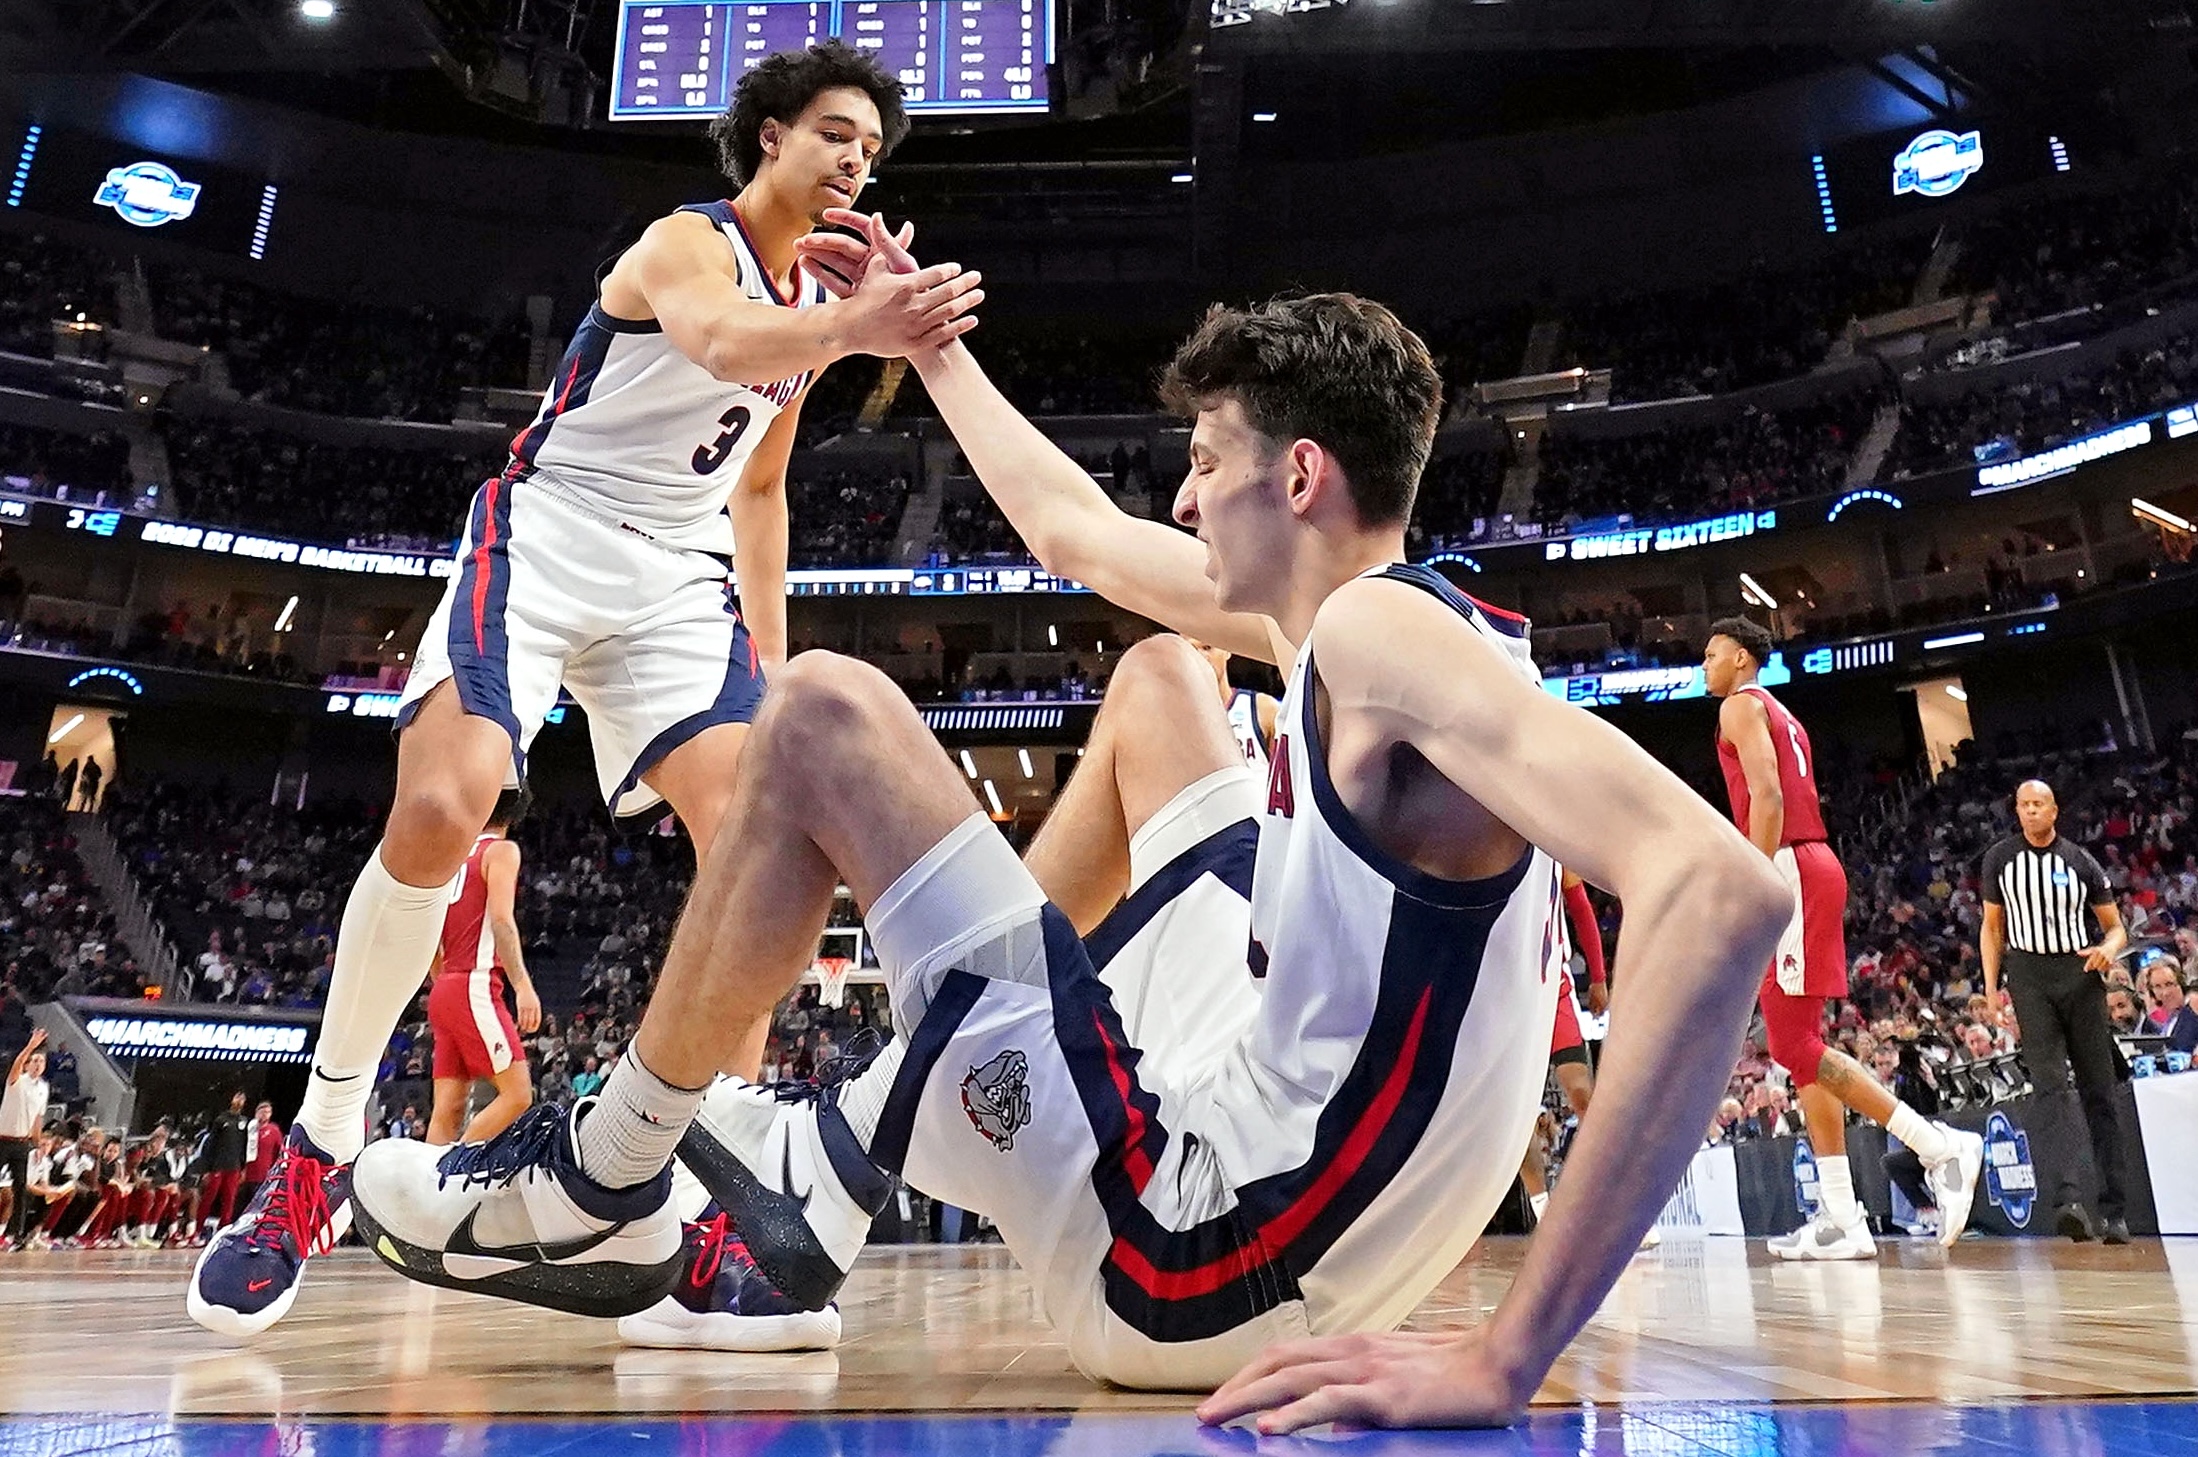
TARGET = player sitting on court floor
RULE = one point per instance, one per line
(1226, 1159)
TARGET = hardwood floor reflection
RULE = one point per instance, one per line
(957, 1329)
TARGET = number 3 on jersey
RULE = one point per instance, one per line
(708, 458)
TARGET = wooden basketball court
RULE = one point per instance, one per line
(957, 1330)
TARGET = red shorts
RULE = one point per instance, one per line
(474, 1033)
(1812, 954)
(1565, 1042)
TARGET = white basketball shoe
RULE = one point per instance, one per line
(1953, 1182)
(516, 1217)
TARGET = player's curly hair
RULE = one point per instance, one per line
(1752, 636)
(512, 806)
(781, 89)
(1333, 368)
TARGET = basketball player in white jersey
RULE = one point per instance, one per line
(1320, 1164)
(476, 1037)
(598, 559)
(1251, 714)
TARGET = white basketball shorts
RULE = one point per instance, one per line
(1052, 1083)
(647, 637)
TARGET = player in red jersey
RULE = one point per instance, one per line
(1770, 775)
(474, 1034)
(1568, 1049)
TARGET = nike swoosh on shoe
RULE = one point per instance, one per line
(496, 1260)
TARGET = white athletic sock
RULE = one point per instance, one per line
(388, 936)
(1925, 1139)
(862, 1098)
(1541, 1204)
(1835, 1187)
(636, 1123)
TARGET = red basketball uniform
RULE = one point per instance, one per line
(1812, 955)
(474, 1034)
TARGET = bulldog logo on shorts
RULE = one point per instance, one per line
(997, 1098)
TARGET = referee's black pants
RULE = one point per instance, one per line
(2061, 1005)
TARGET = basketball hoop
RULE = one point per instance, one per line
(832, 973)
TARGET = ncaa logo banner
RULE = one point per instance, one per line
(147, 194)
(2010, 1179)
(1937, 163)
(1806, 1196)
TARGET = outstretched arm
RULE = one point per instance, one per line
(1062, 515)
(1704, 914)
(37, 1040)
(682, 275)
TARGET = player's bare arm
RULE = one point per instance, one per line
(1403, 676)
(1746, 725)
(500, 874)
(682, 275)
(760, 536)
(1069, 523)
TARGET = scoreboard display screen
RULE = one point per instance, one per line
(1917, 170)
(952, 57)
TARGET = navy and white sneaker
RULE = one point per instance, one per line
(248, 1274)
(515, 1217)
(726, 1304)
(781, 1160)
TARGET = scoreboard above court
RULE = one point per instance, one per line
(952, 57)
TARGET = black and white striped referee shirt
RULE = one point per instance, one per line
(2046, 893)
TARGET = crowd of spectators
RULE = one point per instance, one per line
(56, 933)
(1762, 325)
(356, 495)
(1457, 498)
(846, 517)
(92, 469)
(1752, 460)
(248, 893)
(339, 358)
(2083, 250)
(2039, 414)
(43, 279)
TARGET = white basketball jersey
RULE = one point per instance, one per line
(636, 431)
(1400, 1046)
(1250, 737)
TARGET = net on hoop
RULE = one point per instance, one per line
(832, 973)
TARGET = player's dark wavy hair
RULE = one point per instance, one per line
(1747, 632)
(781, 89)
(1332, 368)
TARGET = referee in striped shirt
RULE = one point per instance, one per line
(2039, 895)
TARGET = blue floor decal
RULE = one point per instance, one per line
(1678, 1429)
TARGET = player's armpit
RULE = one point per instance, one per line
(1072, 526)
(1556, 774)
(682, 274)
